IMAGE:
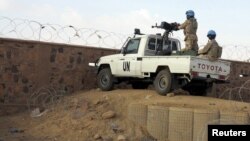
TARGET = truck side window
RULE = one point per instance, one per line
(132, 46)
(151, 44)
(167, 42)
(174, 46)
(167, 45)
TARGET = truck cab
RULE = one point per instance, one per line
(151, 45)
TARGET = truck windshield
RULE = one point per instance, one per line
(132, 46)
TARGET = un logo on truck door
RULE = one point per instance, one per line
(126, 66)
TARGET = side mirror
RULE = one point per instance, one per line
(137, 31)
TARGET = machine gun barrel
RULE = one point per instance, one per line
(156, 26)
(169, 27)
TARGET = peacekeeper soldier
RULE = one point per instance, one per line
(190, 27)
(211, 50)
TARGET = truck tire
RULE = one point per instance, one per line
(163, 82)
(139, 85)
(105, 79)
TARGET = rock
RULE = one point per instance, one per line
(37, 112)
(97, 102)
(212, 104)
(97, 136)
(114, 125)
(105, 97)
(121, 138)
(107, 138)
(170, 94)
(148, 96)
(15, 130)
(116, 128)
(181, 92)
(108, 114)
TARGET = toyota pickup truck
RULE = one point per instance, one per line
(152, 59)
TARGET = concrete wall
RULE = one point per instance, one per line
(26, 66)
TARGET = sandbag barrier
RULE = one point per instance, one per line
(138, 114)
(181, 124)
(227, 117)
(203, 117)
(156, 122)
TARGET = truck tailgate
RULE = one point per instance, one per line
(202, 67)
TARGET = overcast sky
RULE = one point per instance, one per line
(229, 18)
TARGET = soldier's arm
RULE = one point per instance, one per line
(205, 49)
(183, 25)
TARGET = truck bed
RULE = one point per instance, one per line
(195, 66)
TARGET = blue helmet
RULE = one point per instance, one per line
(211, 34)
(190, 13)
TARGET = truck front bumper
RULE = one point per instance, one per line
(94, 68)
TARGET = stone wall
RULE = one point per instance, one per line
(26, 66)
(239, 87)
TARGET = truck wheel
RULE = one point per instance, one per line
(162, 82)
(105, 79)
(139, 85)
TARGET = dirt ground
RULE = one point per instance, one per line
(80, 117)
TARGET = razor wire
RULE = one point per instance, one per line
(236, 52)
(69, 34)
(45, 97)
(240, 93)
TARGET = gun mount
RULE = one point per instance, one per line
(169, 28)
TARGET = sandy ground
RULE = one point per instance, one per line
(79, 117)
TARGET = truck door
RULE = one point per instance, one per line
(129, 64)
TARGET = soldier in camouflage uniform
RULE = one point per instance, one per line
(212, 50)
(190, 27)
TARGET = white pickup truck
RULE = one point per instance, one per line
(146, 59)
